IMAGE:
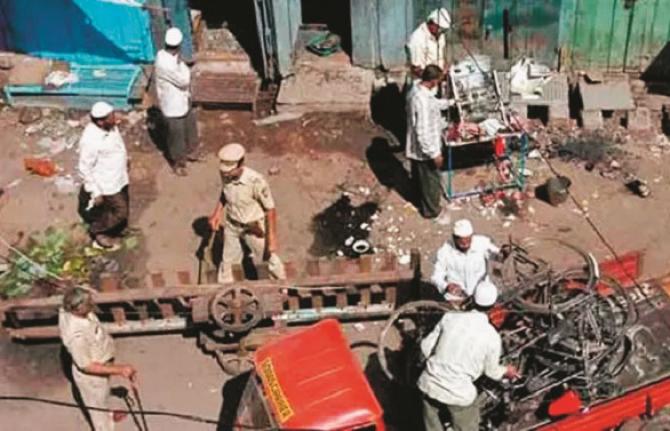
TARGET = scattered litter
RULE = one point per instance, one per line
(66, 185)
(359, 327)
(404, 259)
(340, 253)
(615, 165)
(365, 226)
(73, 123)
(365, 191)
(59, 78)
(507, 224)
(274, 170)
(12, 184)
(639, 187)
(662, 140)
(99, 73)
(527, 172)
(29, 115)
(658, 180)
(349, 241)
(527, 78)
(273, 119)
(133, 117)
(361, 246)
(534, 154)
(43, 167)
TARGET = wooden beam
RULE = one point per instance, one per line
(190, 291)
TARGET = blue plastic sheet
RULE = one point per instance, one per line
(79, 31)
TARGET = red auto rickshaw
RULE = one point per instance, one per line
(309, 380)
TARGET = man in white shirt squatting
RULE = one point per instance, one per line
(428, 44)
(103, 168)
(173, 88)
(461, 264)
(462, 347)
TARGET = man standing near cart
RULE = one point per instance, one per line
(425, 125)
(247, 210)
(92, 352)
(428, 44)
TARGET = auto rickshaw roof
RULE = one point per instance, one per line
(313, 380)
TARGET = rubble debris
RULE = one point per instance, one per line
(554, 191)
(53, 146)
(594, 149)
(334, 226)
(66, 185)
(43, 167)
(59, 78)
(639, 187)
(29, 115)
(274, 119)
(274, 170)
(528, 77)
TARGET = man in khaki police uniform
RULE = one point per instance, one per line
(92, 351)
(248, 213)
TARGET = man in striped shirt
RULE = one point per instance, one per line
(424, 140)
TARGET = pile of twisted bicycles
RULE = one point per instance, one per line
(562, 324)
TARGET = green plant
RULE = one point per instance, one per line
(51, 253)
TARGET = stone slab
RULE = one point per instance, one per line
(607, 96)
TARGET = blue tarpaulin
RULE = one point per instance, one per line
(79, 31)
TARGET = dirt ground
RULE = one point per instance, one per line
(321, 168)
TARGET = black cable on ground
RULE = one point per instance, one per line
(182, 416)
(187, 417)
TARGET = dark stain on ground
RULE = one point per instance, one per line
(341, 220)
(312, 134)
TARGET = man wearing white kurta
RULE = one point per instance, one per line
(173, 88)
(461, 263)
(428, 44)
(462, 347)
(103, 168)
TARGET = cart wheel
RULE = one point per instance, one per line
(236, 309)
(234, 364)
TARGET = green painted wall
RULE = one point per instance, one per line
(533, 31)
(614, 35)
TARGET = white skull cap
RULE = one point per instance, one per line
(486, 294)
(440, 17)
(101, 109)
(173, 37)
(463, 228)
